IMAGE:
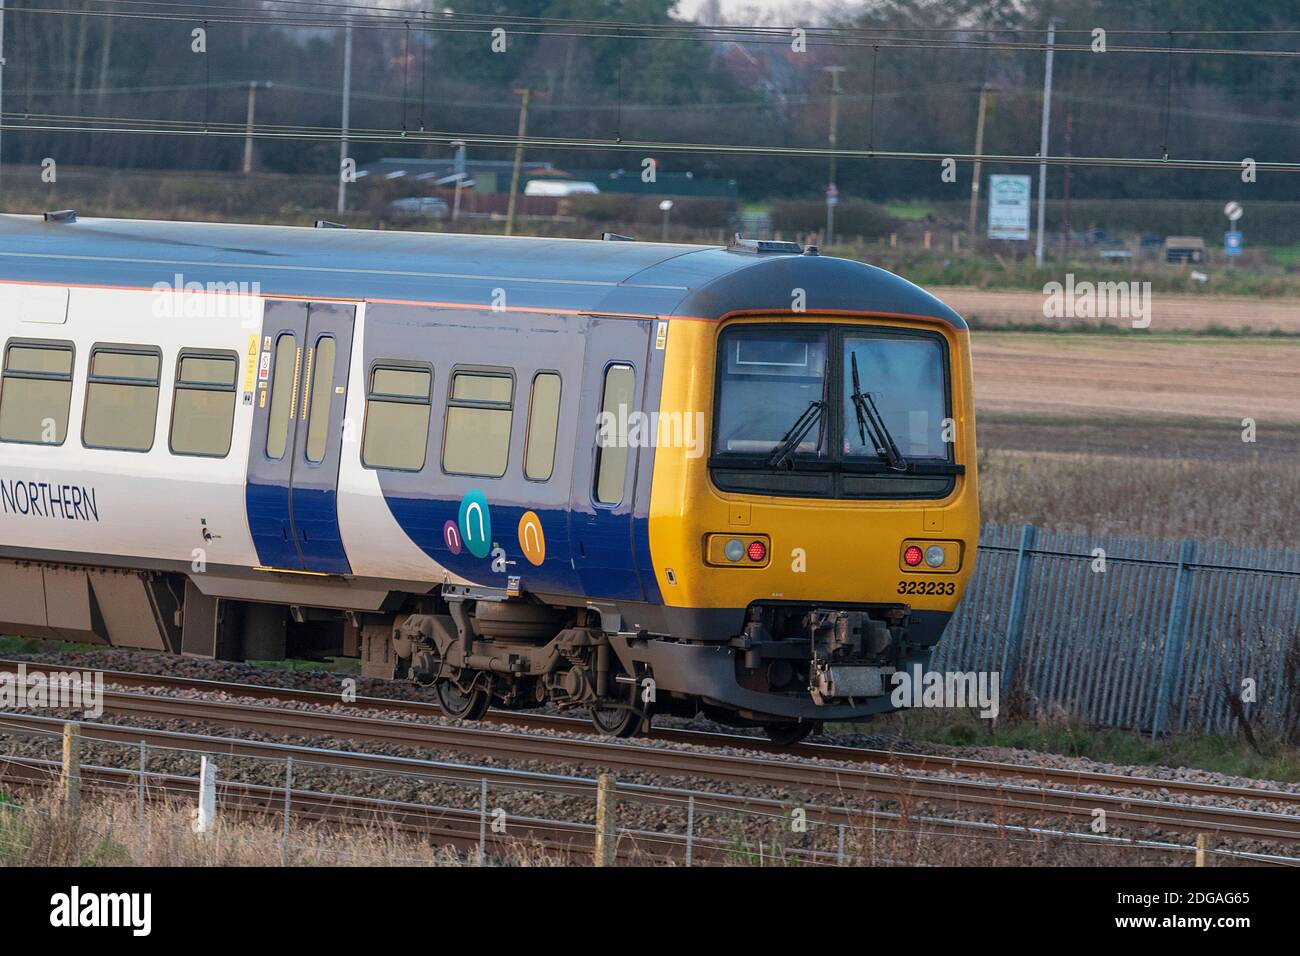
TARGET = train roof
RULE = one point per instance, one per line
(580, 275)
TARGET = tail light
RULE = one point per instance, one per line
(737, 551)
(930, 557)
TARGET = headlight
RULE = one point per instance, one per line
(934, 556)
(734, 549)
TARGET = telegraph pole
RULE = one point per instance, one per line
(832, 191)
(973, 218)
(1042, 145)
(253, 87)
(1065, 227)
(2, 77)
(347, 103)
(519, 160)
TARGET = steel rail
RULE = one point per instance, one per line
(459, 826)
(897, 786)
(911, 761)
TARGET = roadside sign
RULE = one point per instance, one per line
(1233, 211)
(1232, 242)
(1009, 207)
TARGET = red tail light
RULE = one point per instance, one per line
(757, 551)
(913, 556)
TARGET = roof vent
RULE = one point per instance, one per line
(61, 215)
(329, 224)
(755, 247)
(615, 237)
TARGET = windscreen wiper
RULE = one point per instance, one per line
(871, 422)
(812, 415)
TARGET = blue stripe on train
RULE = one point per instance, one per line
(316, 521)
(603, 568)
(315, 524)
(268, 521)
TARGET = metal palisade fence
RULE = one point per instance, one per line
(1151, 635)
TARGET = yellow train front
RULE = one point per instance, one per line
(822, 537)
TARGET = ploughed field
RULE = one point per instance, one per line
(986, 308)
(1140, 435)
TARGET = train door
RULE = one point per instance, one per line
(604, 478)
(293, 463)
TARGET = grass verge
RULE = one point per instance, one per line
(1072, 738)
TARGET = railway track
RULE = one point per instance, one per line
(460, 827)
(923, 763)
(892, 785)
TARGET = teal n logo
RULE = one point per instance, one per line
(476, 523)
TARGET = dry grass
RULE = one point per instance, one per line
(34, 831)
(1052, 731)
(1251, 502)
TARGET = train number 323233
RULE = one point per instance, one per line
(927, 587)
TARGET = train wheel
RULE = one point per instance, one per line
(787, 735)
(616, 721)
(464, 705)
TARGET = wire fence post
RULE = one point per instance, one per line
(207, 812)
(1018, 611)
(606, 822)
(72, 770)
(1175, 637)
(690, 828)
(482, 823)
(140, 798)
(288, 803)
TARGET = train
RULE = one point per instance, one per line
(618, 477)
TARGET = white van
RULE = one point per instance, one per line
(559, 188)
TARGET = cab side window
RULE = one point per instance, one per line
(611, 444)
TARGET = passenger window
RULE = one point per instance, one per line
(476, 439)
(121, 399)
(36, 393)
(203, 410)
(397, 418)
(543, 424)
(611, 443)
(284, 395)
(322, 393)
